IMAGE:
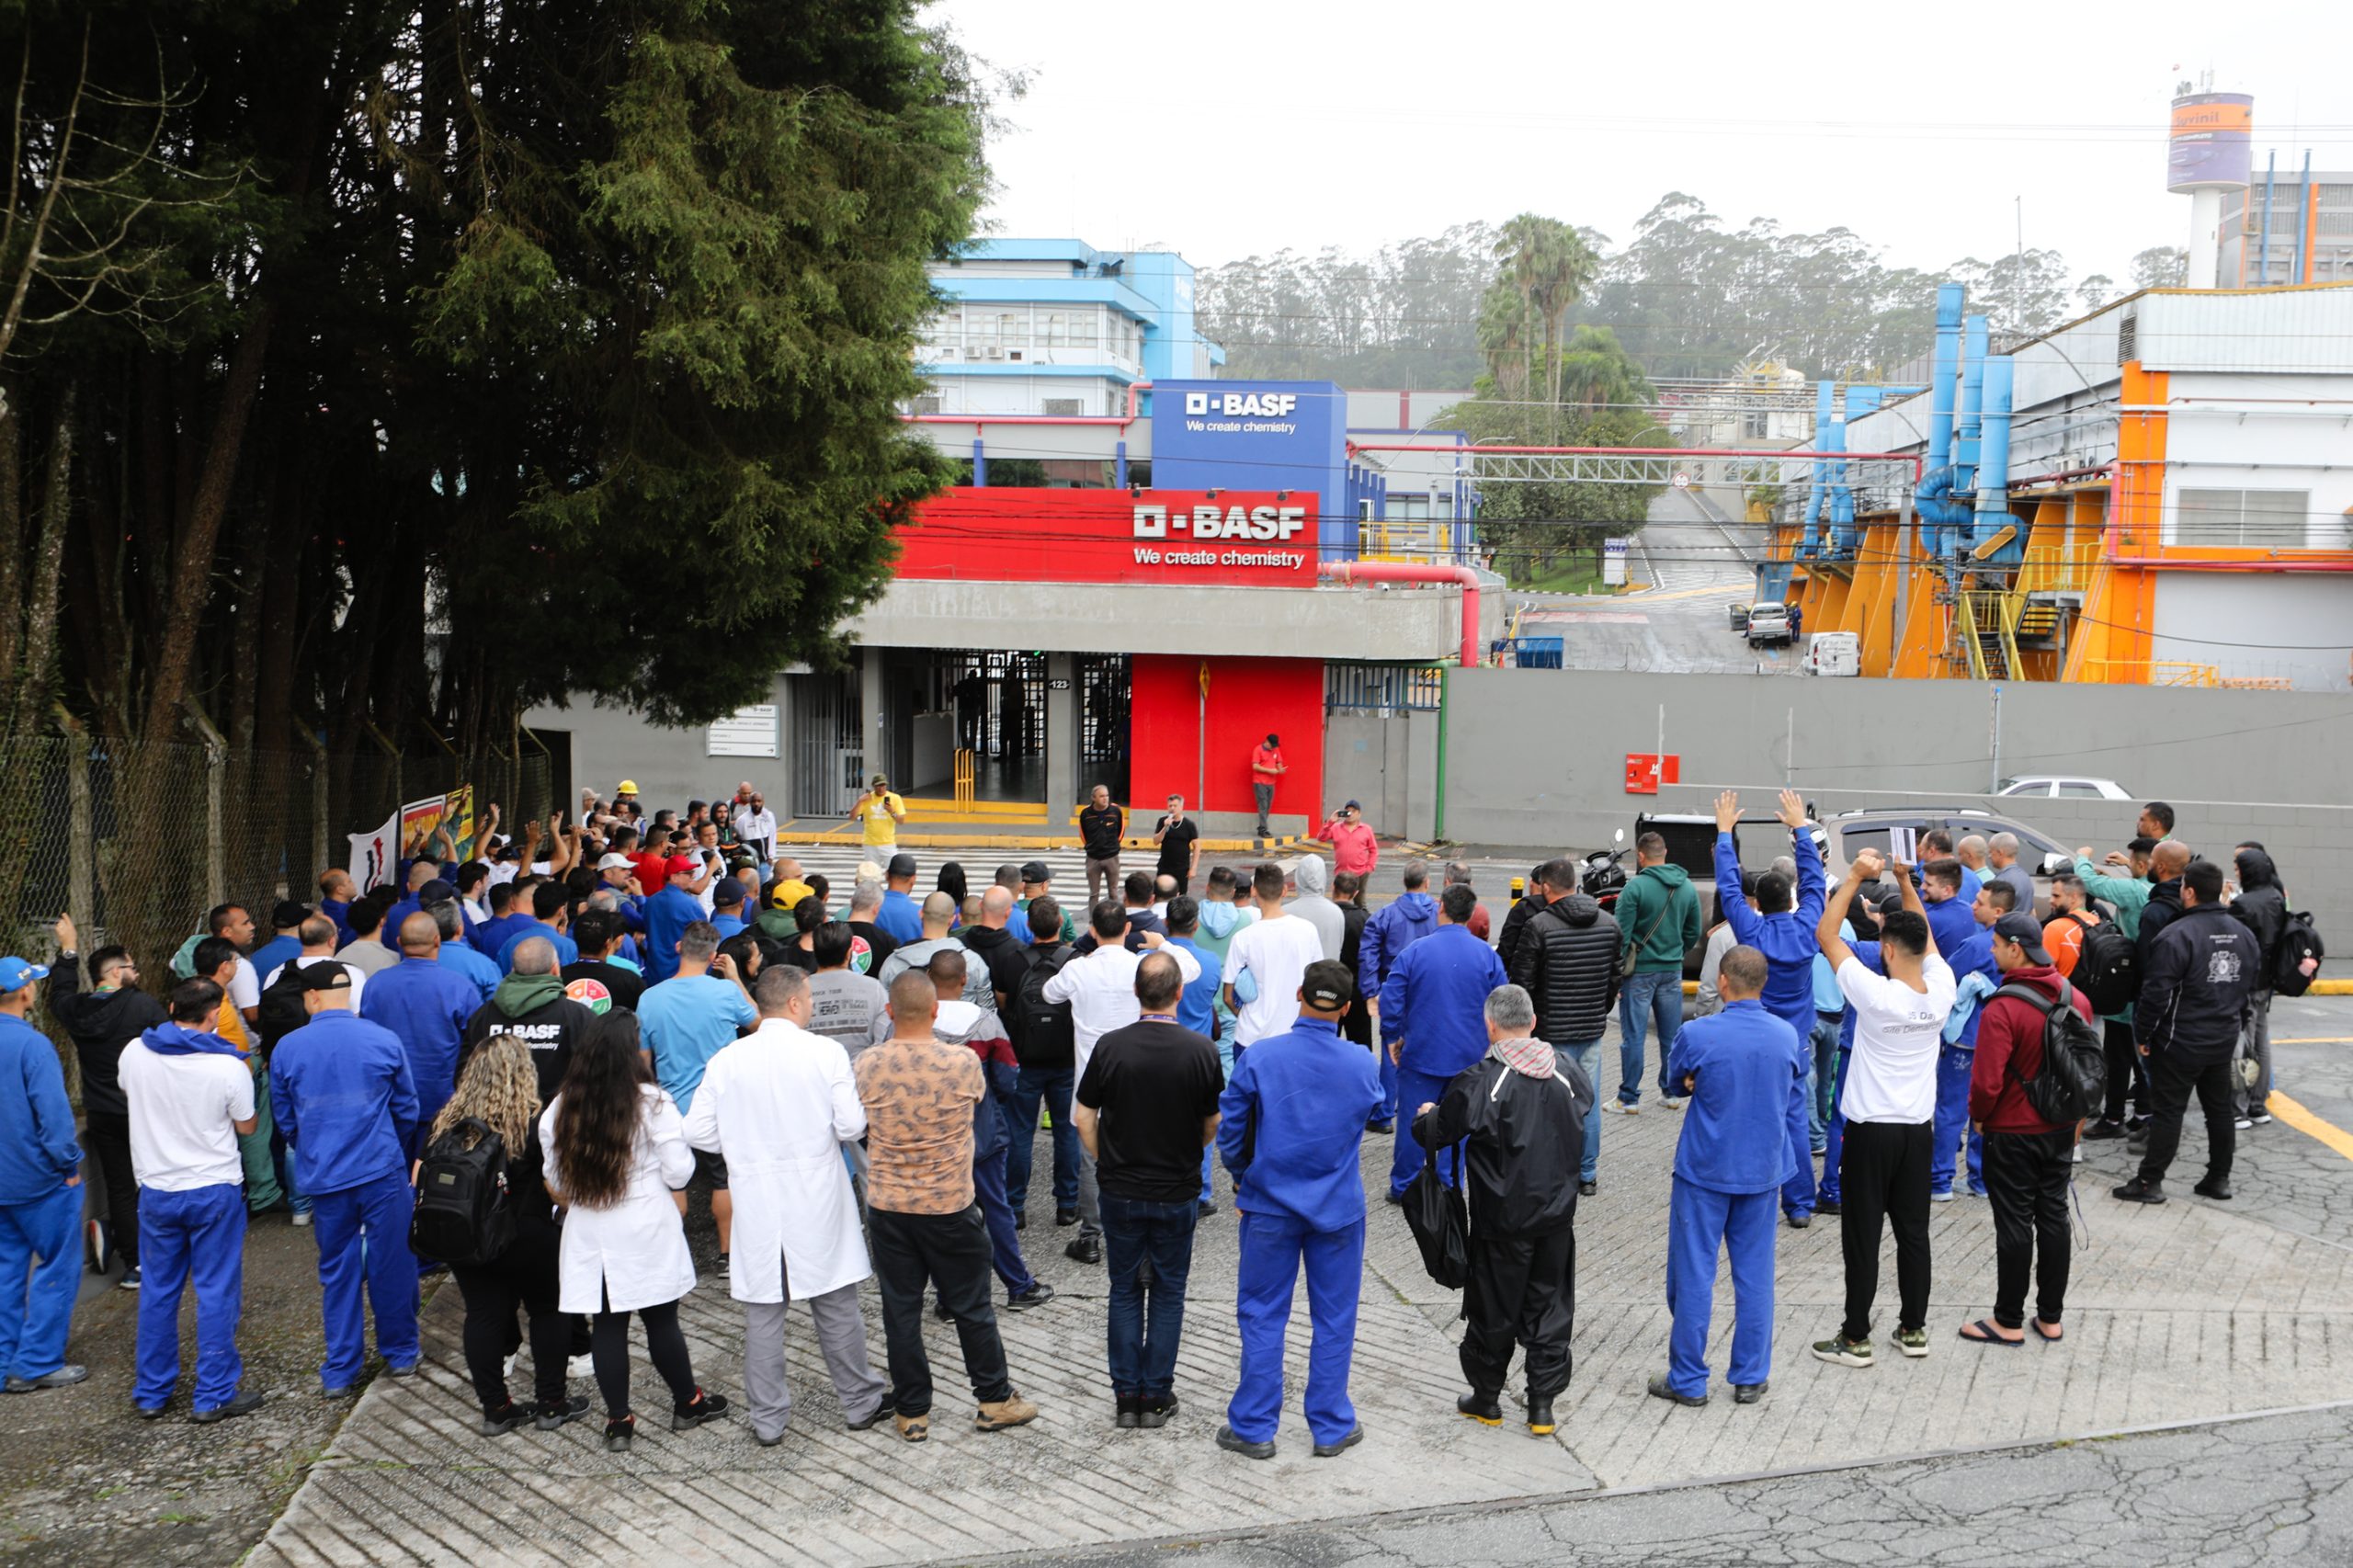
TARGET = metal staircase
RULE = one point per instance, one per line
(1985, 632)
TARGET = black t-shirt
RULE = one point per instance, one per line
(551, 1030)
(881, 943)
(1177, 847)
(623, 987)
(1152, 1083)
(1100, 830)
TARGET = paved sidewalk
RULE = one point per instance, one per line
(2191, 1311)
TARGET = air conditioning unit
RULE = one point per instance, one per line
(1060, 408)
(997, 353)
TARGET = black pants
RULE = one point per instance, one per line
(952, 1252)
(2125, 1074)
(2171, 1081)
(1356, 1024)
(665, 1347)
(1522, 1290)
(522, 1278)
(1883, 1175)
(2026, 1184)
(110, 1145)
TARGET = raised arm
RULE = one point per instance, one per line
(1833, 915)
(1744, 920)
(1908, 890)
(1811, 889)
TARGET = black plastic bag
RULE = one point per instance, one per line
(1440, 1225)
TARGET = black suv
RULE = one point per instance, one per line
(1691, 843)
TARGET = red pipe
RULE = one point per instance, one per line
(1407, 572)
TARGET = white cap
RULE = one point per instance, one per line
(615, 862)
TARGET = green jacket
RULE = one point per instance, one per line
(1659, 912)
(2130, 895)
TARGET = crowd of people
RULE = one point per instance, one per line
(515, 1067)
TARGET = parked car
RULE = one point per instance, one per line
(1691, 843)
(1850, 833)
(2065, 786)
(1834, 654)
(1740, 615)
(1767, 622)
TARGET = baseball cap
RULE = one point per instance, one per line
(1327, 984)
(788, 893)
(879, 781)
(728, 894)
(626, 787)
(287, 913)
(435, 891)
(615, 863)
(325, 977)
(685, 866)
(15, 973)
(1037, 871)
(2023, 930)
(902, 865)
(1352, 806)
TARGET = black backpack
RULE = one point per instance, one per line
(464, 1212)
(2298, 941)
(2109, 971)
(2074, 1080)
(281, 1011)
(1044, 1036)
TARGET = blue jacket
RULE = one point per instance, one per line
(668, 915)
(339, 911)
(272, 953)
(390, 932)
(478, 972)
(427, 1005)
(1748, 1070)
(567, 949)
(36, 1147)
(1290, 1122)
(1390, 930)
(1786, 939)
(491, 935)
(726, 924)
(340, 1089)
(899, 917)
(1973, 956)
(1197, 1007)
(1953, 923)
(1436, 1000)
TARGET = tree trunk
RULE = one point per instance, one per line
(36, 677)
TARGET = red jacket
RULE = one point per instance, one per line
(2009, 1035)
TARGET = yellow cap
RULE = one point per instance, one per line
(789, 893)
(628, 787)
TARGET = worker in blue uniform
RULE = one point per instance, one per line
(1786, 939)
(1973, 954)
(1745, 1069)
(1434, 1019)
(1393, 927)
(427, 1005)
(341, 1091)
(1290, 1123)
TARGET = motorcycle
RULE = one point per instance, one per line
(1600, 875)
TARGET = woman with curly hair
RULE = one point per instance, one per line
(616, 1151)
(500, 1088)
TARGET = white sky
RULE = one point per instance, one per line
(1221, 129)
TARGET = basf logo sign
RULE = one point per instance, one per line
(1242, 412)
(1168, 538)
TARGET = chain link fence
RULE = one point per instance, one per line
(140, 864)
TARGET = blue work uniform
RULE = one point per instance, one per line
(40, 1215)
(1290, 1123)
(668, 915)
(1748, 1070)
(1435, 1000)
(899, 917)
(491, 935)
(428, 1005)
(1388, 932)
(1789, 946)
(1834, 1134)
(1955, 1059)
(567, 949)
(462, 960)
(341, 1091)
(1197, 1010)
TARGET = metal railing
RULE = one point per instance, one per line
(2151, 672)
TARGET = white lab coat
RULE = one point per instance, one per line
(779, 1104)
(636, 1252)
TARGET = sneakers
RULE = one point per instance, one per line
(301, 1218)
(1828, 1206)
(1588, 1188)
(2103, 1129)
(2259, 1117)
(130, 1280)
(882, 1412)
(580, 1366)
(1841, 1351)
(243, 1405)
(995, 1416)
(2241, 1122)
(1621, 1108)
(1913, 1342)
(725, 1267)
(913, 1429)
(506, 1367)
(1673, 1102)
(1128, 1412)
(1944, 1197)
(2220, 1191)
(64, 1376)
(550, 1417)
(498, 1423)
(704, 1407)
(1798, 1222)
(619, 1433)
(2140, 1190)
(1231, 1443)
(1038, 1295)
(1156, 1411)
(1066, 1218)
(1381, 1126)
(1660, 1388)
(1482, 1408)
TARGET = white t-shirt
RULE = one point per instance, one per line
(1276, 951)
(181, 1108)
(1891, 1074)
(244, 986)
(358, 976)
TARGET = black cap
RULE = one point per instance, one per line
(901, 866)
(330, 976)
(1037, 871)
(289, 914)
(2023, 929)
(435, 891)
(1327, 984)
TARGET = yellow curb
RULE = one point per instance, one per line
(2304, 1122)
(2330, 988)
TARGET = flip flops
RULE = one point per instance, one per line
(1982, 1333)
(2035, 1326)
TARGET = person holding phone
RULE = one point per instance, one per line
(1179, 838)
(879, 812)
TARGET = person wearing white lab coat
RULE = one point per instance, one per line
(778, 1105)
(614, 1151)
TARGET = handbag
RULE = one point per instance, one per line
(1441, 1226)
(1634, 953)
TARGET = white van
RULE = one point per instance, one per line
(1834, 654)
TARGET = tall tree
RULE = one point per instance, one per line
(2161, 266)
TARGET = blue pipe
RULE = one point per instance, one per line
(1947, 365)
(1119, 465)
(2303, 221)
(1975, 336)
(980, 465)
(1811, 543)
(2263, 267)
(1993, 512)
(1859, 402)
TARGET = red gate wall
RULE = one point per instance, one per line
(1248, 698)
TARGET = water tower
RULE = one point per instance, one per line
(2210, 150)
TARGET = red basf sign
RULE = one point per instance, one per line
(1247, 537)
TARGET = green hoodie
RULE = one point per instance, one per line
(778, 924)
(1659, 911)
(520, 994)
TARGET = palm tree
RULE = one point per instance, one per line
(1547, 265)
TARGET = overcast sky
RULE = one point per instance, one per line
(1222, 129)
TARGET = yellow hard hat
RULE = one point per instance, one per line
(628, 787)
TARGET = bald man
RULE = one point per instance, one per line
(427, 1004)
(938, 912)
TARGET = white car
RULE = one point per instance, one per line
(2065, 786)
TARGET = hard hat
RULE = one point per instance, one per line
(628, 787)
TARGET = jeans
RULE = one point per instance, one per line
(1005, 1247)
(1052, 1085)
(196, 1236)
(2171, 1082)
(952, 1251)
(1588, 1059)
(108, 1137)
(1274, 1248)
(1146, 1320)
(1825, 1077)
(2255, 1045)
(2025, 1185)
(363, 1232)
(1885, 1178)
(1650, 996)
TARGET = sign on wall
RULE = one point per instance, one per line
(1230, 538)
(747, 732)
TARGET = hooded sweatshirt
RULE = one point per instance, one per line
(1393, 927)
(101, 1023)
(1659, 911)
(1312, 906)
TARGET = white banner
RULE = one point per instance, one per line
(375, 855)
